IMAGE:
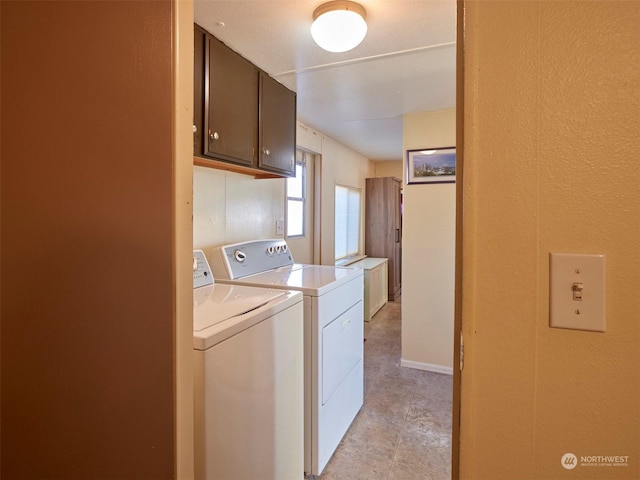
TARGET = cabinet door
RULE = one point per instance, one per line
(383, 234)
(198, 89)
(395, 201)
(375, 291)
(231, 105)
(277, 150)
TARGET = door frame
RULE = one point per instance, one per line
(458, 344)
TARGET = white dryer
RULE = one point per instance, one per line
(333, 334)
(248, 383)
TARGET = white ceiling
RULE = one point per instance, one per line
(405, 64)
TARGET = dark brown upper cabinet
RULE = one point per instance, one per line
(277, 126)
(199, 39)
(244, 120)
(230, 105)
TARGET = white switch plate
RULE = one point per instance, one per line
(279, 227)
(565, 270)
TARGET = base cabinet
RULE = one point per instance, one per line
(375, 284)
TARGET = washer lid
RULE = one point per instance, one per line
(216, 303)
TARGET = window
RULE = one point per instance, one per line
(347, 222)
(296, 193)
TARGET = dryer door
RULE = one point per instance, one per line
(342, 349)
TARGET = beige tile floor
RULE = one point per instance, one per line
(403, 431)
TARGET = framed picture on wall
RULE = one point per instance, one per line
(431, 165)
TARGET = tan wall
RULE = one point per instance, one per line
(428, 252)
(551, 165)
(389, 168)
(88, 299)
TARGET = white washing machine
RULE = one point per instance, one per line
(333, 334)
(248, 383)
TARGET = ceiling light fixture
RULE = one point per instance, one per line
(339, 26)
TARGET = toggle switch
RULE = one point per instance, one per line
(577, 291)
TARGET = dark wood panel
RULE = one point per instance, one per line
(231, 105)
(277, 127)
(383, 227)
(87, 240)
(249, 119)
(199, 48)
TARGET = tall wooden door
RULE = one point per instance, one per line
(383, 226)
(395, 201)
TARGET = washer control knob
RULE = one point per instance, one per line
(239, 255)
(270, 250)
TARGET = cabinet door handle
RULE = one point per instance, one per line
(397, 235)
(213, 136)
(266, 151)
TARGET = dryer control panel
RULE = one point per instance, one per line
(238, 260)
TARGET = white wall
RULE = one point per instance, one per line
(428, 252)
(340, 166)
(230, 207)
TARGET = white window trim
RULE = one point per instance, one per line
(300, 160)
(358, 254)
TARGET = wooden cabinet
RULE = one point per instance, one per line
(230, 105)
(242, 116)
(199, 38)
(277, 150)
(375, 284)
(383, 227)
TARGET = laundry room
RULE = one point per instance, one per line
(111, 234)
(278, 203)
(233, 208)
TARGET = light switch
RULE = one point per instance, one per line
(279, 227)
(577, 291)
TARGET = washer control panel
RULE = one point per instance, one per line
(201, 272)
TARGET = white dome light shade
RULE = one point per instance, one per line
(339, 26)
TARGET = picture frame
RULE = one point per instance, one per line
(431, 165)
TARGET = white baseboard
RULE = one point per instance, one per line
(429, 367)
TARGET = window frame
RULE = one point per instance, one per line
(300, 161)
(349, 256)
